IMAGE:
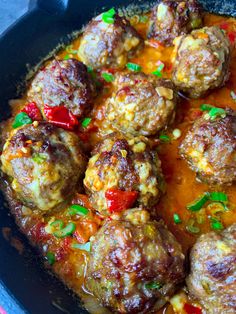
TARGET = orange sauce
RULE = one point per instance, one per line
(182, 187)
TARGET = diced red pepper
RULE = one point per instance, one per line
(38, 232)
(118, 200)
(191, 309)
(224, 25)
(32, 111)
(232, 37)
(61, 117)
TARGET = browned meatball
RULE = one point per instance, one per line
(111, 45)
(63, 83)
(135, 264)
(210, 148)
(141, 104)
(171, 18)
(123, 165)
(44, 164)
(212, 279)
(201, 61)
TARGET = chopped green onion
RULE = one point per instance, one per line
(218, 197)
(216, 224)
(143, 19)
(198, 203)
(164, 138)
(39, 158)
(158, 71)
(153, 285)
(177, 219)
(192, 229)
(216, 112)
(206, 107)
(85, 123)
(21, 119)
(69, 49)
(58, 224)
(108, 77)
(83, 247)
(68, 230)
(66, 57)
(89, 69)
(109, 16)
(50, 258)
(78, 210)
(233, 95)
(133, 67)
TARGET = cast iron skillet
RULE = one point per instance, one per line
(25, 287)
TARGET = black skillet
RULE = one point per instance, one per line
(25, 287)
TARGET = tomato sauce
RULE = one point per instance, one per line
(181, 185)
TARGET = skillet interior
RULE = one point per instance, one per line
(32, 38)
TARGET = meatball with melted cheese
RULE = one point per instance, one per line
(110, 45)
(63, 83)
(135, 263)
(172, 18)
(212, 279)
(141, 104)
(44, 164)
(210, 148)
(123, 165)
(201, 61)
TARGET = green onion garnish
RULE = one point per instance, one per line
(216, 112)
(39, 158)
(109, 16)
(143, 19)
(233, 95)
(89, 69)
(21, 119)
(78, 210)
(58, 224)
(218, 197)
(192, 229)
(66, 231)
(153, 285)
(216, 224)
(158, 71)
(177, 219)
(84, 247)
(108, 77)
(164, 138)
(85, 123)
(206, 107)
(198, 203)
(69, 49)
(133, 67)
(50, 258)
(66, 57)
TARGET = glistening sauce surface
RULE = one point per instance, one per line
(182, 187)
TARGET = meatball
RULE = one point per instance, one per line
(135, 263)
(201, 61)
(63, 83)
(172, 18)
(210, 148)
(141, 104)
(44, 164)
(212, 279)
(111, 45)
(123, 165)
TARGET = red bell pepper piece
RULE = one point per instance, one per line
(32, 111)
(232, 37)
(61, 117)
(191, 309)
(118, 200)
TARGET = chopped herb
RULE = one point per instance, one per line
(153, 285)
(108, 77)
(198, 203)
(216, 112)
(58, 224)
(50, 258)
(21, 119)
(177, 219)
(206, 107)
(84, 247)
(66, 231)
(85, 123)
(191, 228)
(158, 71)
(133, 67)
(66, 57)
(216, 224)
(89, 69)
(39, 158)
(218, 197)
(109, 16)
(233, 95)
(78, 210)
(69, 49)
(143, 19)
(164, 138)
